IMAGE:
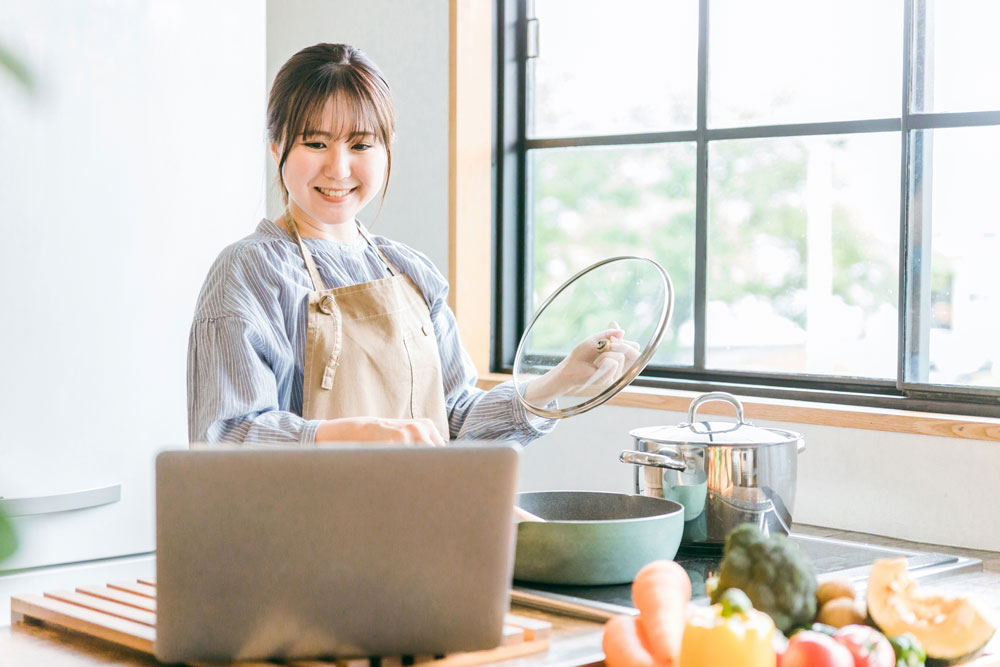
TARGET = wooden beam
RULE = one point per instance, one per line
(470, 136)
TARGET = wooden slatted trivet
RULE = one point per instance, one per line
(125, 613)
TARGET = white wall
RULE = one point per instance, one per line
(916, 487)
(409, 42)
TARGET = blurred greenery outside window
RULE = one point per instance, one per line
(820, 233)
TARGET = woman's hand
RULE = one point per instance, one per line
(378, 429)
(593, 364)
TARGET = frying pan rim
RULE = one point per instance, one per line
(678, 508)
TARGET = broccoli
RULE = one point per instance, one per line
(774, 574)
(909, 652)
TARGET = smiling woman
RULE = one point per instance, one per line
(313, 330)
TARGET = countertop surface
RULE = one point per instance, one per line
(574, 643)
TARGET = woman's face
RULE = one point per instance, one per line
(330, 176)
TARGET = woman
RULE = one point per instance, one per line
(312, 330)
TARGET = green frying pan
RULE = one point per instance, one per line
(593, 538)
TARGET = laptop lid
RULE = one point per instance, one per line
(347, 551)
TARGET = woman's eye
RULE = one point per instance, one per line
(315, 144)
(361, 147)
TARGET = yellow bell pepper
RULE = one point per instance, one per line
(731, 633)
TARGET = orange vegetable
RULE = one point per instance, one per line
(623, 644)
(661, 592)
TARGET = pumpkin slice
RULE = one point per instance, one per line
(951, 629)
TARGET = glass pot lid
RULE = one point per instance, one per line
(593, 336)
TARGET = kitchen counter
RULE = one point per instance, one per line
(574, 643)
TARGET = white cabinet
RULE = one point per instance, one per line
(137, 158)
(59, 476)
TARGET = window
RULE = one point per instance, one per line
(817, 179)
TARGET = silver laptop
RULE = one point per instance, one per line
(352, 551)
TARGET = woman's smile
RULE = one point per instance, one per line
(335, 195)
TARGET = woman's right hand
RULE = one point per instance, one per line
(591, 366)
(379, 429)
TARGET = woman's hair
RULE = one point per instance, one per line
(316, 75)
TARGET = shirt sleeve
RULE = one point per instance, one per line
(232, 391)
(474, 413)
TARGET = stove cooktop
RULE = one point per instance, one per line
(831, 557)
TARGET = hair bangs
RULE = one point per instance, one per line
(352, 113)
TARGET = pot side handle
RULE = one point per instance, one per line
(654, 460)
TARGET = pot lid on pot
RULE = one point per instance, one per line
(693, 432)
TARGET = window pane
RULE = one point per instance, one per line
(788, 61)
(958, 310)
(588, 204)
(608, 70)
(957, 57)
(803, 255)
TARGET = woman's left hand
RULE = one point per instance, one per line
(593, 365)
(419, 431)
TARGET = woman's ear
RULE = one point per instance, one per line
(276, 153)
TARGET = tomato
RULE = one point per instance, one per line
(814, 649)
(868, 646)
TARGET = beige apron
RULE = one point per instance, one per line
(370, 349)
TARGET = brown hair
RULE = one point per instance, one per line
(317, 74)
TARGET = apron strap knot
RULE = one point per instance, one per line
(326, 304)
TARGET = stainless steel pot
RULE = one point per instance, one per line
(723, 473)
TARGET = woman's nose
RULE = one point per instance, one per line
(338, 164)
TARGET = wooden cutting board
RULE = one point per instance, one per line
(125, 613)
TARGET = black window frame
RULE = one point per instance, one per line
(511, 233)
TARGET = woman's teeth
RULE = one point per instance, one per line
(335, 193)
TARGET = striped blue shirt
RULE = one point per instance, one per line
(247, 342)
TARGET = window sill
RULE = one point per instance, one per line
(801, 412)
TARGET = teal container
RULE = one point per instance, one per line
(591, 538)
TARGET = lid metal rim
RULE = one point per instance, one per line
(702, 443)
(625, 379)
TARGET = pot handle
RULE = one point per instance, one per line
(654, 460)
(800, 445)
(717, 396)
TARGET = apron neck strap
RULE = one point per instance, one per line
(317, 280)
(385, 260)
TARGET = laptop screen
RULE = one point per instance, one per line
(356, 550)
